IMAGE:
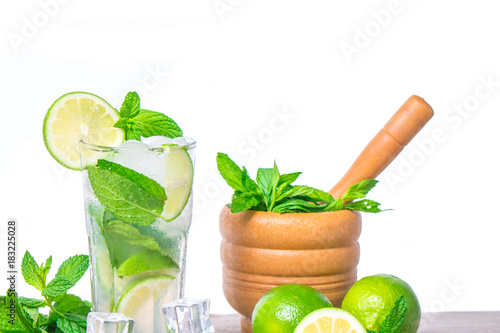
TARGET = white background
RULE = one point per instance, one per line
(307, 83)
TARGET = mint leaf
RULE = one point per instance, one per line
(359, 190)
(309, 193)
(58, 286)
(129, 234)
(122, 123)
(394, 321)
(244, 201)
(137, 122)
(131, 106)
(267, 180)
(33, 315)
(367, 206)
(73, 304)
(155, 123)
(131, 128)
(31, 271)
(235, 177)
(335, 205)
(73, 268)
(8, 323)
(296, 206)
(370, 331)
(231, 172)
(72, 323)
(289, 178)
(281, 189)
(249, 184)
(22, 319)
(124, 197)
(31, 302)
(144, 182)
(44, 269)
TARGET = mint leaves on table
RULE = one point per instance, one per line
(129, 195)
(274, 192)
(137, 122)
(393, 322)
(67, 312)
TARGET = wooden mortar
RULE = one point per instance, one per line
(261, 250)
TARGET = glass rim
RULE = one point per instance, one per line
(190, 144)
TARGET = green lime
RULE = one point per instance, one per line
(146, 261)
(79, 116)
(330, 320)
(142, 296)
(282, 308)
(372, 298)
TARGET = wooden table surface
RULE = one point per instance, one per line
(437, 322)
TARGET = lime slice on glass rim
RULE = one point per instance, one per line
(178, 180)
(79, 116)
(141, 296)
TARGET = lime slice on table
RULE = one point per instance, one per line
(141, 296)
(79, 116)
(178, 180)
(329, 320)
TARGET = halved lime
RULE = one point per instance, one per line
(178, 180)
(142, 296)
(329, 320)
(79, 116)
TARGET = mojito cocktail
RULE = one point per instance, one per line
(138, 209)
(137, 172)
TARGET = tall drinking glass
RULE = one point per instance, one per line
(138, 207)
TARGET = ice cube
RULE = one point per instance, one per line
(133, 144)
(102, 322)
(188, 316)
(140, 157)
(158, 141)
(181, 141)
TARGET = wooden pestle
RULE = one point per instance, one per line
(387, 144)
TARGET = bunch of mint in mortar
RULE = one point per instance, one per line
(274, 192)
(67, 312)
